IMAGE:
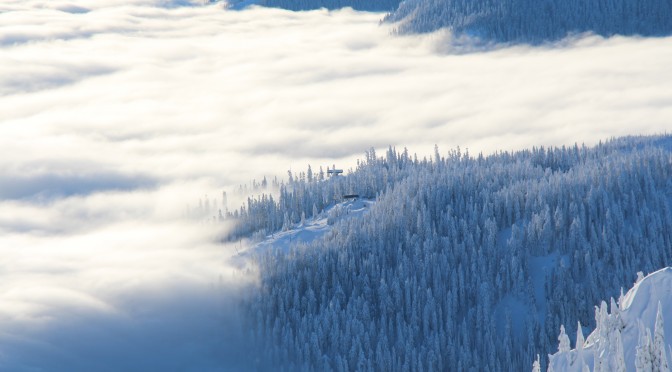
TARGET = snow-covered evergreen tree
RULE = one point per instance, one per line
(659, 348)
(536, 366)
(580, 361)
(563, 341)
(644, 356)
(619, 356)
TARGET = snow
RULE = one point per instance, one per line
(311, 230)
(503, 237)
(519, 309)
(514, 309)
(639, 305)
(642, 299)
(539, 269)
(239, 5)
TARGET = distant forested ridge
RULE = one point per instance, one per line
(296, 5)
(506, 21)
(463, 262)
(535, 21)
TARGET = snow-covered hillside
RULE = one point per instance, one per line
(368, 5)
(463, 262)
(632, 336)
(532, 21)
(306, 232)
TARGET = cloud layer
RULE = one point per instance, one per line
(115, 115)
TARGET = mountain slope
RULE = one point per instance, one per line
(623, 331)
(463, 262)
(297, 5)
(534, 21)
(306, 232)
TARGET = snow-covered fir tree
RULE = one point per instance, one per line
(659, 348)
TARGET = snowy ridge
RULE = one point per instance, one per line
(627, 333)
(299, 5)
(305, 232)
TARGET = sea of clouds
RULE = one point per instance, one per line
(115, 116)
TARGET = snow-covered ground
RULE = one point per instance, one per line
(311, 230)
(241, 4)
(637, 311)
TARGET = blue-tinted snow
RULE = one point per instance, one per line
(638, 308)
(310, 231)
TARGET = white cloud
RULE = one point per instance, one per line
(132, 296)
(115, 115)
